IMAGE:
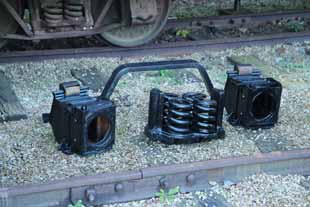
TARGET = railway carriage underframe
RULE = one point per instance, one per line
(122, 23)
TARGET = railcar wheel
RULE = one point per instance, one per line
(7, 22)
(134, 35)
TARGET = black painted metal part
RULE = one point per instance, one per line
(189, 118)
(86, 125)
(152, 130)
(81, 124)
(251, 100)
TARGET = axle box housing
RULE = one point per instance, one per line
(81, 124)
(251, 100)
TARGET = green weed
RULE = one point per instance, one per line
(78, 204)
(166, 73)
(183, 33)
(168, 196)
(295, 26)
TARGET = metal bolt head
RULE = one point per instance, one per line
(119, 187)
(163, 183)
(91, 195)
(190, 179)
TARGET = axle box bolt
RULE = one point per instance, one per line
(119, 187)
(91, 195)
(163, 183)
(190, 179)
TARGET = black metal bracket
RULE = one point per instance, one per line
(155, 66)
(157, 133)
(16, 17)
(122, 70)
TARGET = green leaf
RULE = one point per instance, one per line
(170, 198)
(174, 191)
(162, 199)
(183, 33)
(78, 204)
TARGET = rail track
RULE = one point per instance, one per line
(144, 183)
(176, 48)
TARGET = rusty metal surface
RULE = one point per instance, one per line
(167, 48)
(218, 21)
(177, 48)
(233, 20)
(73, 18)
(143, 12)
(16, 17)
(144, 183)
(103, 13)
(7, 21)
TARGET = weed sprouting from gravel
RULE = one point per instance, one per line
(168, 196)
(77, 204)
(295, 26)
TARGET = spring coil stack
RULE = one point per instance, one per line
(186, 118)
(177, 114)
(54, 13)
(204, 113)
(73, 10)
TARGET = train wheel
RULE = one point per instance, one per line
(7, 22)
(136, 35)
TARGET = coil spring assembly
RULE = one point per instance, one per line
(183, 119)
(205, 116)
(177, 115)
(204, 113)
(73, 10)
(53, 13)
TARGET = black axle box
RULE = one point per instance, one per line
(81, 124)
(251, 100)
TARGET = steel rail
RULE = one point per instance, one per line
(144, 183)
(242, 19)
(175, 48)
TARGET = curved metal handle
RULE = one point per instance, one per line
(154, 66)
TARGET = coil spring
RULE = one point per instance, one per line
(53, 13)
(205, 116)
(73, 10)
(177, 114)
(167, 98)
(194, 97)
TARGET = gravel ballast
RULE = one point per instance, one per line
(30, 155)
(190, 8)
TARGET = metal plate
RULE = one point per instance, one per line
(143, 12)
